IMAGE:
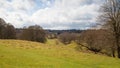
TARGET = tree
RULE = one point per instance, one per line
(111, 18)
(97, 41)
(10, 32)
(2, 27)
(65, 38)
(93, 40)
(7, 31)
(34, 33)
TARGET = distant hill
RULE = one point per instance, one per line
(62, 31)
(19, 30)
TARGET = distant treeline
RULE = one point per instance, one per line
(32, 33)
(19, 30)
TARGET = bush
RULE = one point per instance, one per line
(66, 37)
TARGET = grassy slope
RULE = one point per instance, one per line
(25, 54)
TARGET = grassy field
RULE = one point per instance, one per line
(53, 54)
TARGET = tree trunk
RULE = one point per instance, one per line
(118, 51)
(113, 52)
(118, 46)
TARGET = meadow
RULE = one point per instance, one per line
(52, 54)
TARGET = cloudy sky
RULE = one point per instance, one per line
(50, 14)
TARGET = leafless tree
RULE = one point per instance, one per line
(7, 31)
(97, 40)
(34, 33)
(93, 40)
(110, 16)
(67, 37)
(2, 27)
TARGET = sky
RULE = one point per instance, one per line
(51, 14)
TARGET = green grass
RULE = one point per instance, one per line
(53, 54)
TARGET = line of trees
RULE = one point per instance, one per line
(32, 33)
(98, 41)
(106, 39)
(95, 40)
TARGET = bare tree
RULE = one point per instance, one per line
(2, 27)
(34, 33)
(65, 38)
(93, 40)
(97, 41)
(111, 18)
(9, 32)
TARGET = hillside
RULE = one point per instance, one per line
(53, 54)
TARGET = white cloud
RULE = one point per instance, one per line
(60, 14)
(16, 12)
(65, 12)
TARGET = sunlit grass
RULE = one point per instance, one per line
(52, 54)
